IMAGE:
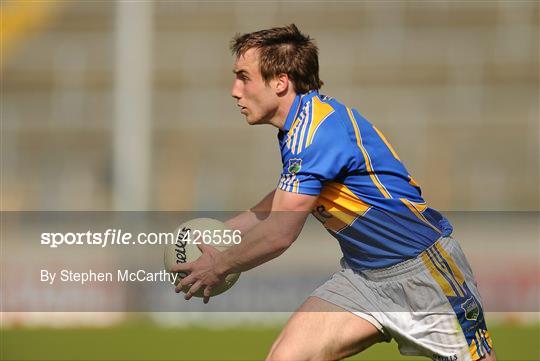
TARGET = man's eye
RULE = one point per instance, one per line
(241, 76)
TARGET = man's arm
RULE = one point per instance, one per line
(271, 237)
(245, 221)
(267, 240)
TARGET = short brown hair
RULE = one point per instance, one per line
(283, 50)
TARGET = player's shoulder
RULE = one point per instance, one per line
(326, 107)
(319, 123)
(327, 119)
(338, 118)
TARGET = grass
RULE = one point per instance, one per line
(151, 342)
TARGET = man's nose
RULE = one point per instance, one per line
(235, 91)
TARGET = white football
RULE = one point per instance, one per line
(205, 231)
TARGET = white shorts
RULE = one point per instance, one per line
(430, 304)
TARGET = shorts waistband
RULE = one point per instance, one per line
(408, 267)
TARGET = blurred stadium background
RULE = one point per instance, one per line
(126, 106)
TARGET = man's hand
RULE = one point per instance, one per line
(201, 273)
(266, 240)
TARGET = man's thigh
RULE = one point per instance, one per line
(319, 330)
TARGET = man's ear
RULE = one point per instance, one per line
(282, 83)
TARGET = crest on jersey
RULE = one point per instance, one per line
(295, 165)
(471, 309)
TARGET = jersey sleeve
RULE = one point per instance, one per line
(305, 170)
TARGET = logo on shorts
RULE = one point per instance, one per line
(471, 309)
(445, 358)
(294, 165)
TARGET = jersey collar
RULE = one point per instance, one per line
(297, 104)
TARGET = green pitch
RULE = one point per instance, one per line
(150, 342)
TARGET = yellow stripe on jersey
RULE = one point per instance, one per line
(488, 339)
(444, 271)
(300, 134)
(381, 135)
(295, 186)
(342, 204)
(291, 132)
(320, 111)
(417, 209)
(369, 167)
(443, 283)
(480, 348)
(355, 126)
(473, 351)
(453, 267)
(341, 195)
(413, 182)
(421, 207)
(482, 344)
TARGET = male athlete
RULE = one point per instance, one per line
(403, 276)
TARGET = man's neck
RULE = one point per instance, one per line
(285, 104)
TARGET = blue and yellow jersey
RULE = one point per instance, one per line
(367, 199)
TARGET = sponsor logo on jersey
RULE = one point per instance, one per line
(471, 309)
(321, 214)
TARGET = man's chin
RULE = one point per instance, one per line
(252, 121)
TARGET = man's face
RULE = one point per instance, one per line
(258, 101)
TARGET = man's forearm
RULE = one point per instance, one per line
(267, 240)
(245, 221)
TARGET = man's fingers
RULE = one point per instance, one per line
(186, 280)
(203, 247)
(193, 289)
(181, 267)
(206, 294)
